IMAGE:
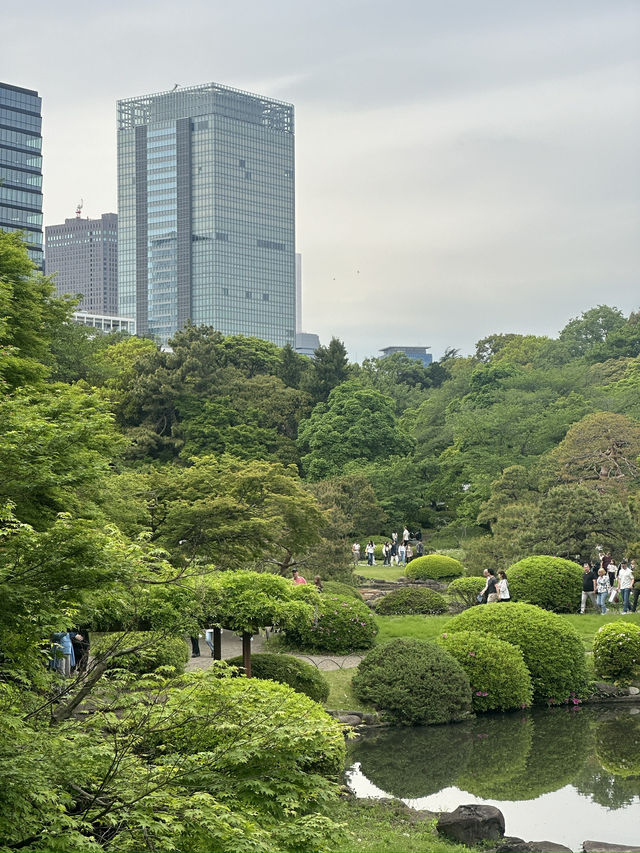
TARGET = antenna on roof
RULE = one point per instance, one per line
(79, 207)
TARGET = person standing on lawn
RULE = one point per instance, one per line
(589, 579)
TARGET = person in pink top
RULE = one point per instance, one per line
(296, 578)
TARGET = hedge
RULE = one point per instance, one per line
(549, 582)
(342, 624)
(338, 588)
(434, 566)
(413, 682)
(465, 591)
(616, 651)
(409, 600)
(498, 675)
(285, 669)
(552, 649)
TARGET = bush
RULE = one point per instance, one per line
(465, 591)
(337, 588)
(434, 566)
(408, 600)
(341, 625)
(458, 554)
(552, 649)
(414, 683)
(285, 669)
(498, 675)
(156, 650)
(549, 582)
(616, 651)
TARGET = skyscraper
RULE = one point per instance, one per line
(206, 212)
(83, 253)
(21, 166)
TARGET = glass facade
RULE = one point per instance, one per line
(206, 203)
(21, 166)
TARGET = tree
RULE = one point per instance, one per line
(593, 327)
(328, 370)
(351, 506)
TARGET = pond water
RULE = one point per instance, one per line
(558, 774)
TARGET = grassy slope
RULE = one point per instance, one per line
(380, 572)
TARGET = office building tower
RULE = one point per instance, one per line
(83, 254)
(206, 213)
(414, 353)
(21, 166)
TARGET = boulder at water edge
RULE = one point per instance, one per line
(472, 823)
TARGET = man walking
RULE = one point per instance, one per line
(589, 579)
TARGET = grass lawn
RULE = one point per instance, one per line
(587, 624)
(340, 692)
(387, 827)
(417, 627)
(380, 572)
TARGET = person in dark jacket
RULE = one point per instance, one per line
(81, 643)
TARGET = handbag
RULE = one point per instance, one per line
(613, 596)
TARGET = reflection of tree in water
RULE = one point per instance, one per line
(604, 788)
(522, 757)
(415, 762)
(618, 745)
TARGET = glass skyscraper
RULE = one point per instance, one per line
(206, 213)
(21, 166)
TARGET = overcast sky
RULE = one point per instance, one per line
(463, 167)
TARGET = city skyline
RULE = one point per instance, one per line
(460, 170)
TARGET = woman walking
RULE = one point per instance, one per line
(603, 588)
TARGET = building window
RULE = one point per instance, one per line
(248, 294)
(225, 291)
(242, 163)
(265, 297)
(247, 176)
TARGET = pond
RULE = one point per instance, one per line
(559, 774)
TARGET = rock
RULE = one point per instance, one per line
(470, 824)
(517, 845)
(633, 691)
(370, 719)
(605, 689)
(350, 719)
(603, 847)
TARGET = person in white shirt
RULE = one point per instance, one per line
(625, 585)
(405, 536)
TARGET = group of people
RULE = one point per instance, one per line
(70, 651)
(394, 551)
(496, 587)
(608, 583)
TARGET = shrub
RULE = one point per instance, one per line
(341, 625)
(434, 566)
(285, 669)
(552, 649)
(498, 675)
(616, 651)
(549, 582)
(408, 600)
(414, 683)
(458, 554)
(337, 588)
(156, 650)
(465, 591)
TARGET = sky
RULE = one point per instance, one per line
(462, 168)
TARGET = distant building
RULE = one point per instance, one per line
(206, 213)
(415, 353)
(21, 166)
(83, 254)
(306, 343)
(105, 323)
(298, 292)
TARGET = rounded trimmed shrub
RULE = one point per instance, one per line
(408, 600)
(465, 591)
(285, 669)
(498, 675)
(413, 682)
(552, 649)
(338, 588)
(549, 582)
(434, 566)
(616, 651)
(155, 650)
(341, 624)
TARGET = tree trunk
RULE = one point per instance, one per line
(246, 653)
(217, 644)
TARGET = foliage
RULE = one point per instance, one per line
(499, 678)
(464, 591)
(350, 504)
(303, 677)
(616, 651)
(552, 649)
(153, 650)
(343, 589)
(329, 368)
(411, 600)
(341, 625)
(414, 683)
(550, 582)
(434, 566)
(620, 754)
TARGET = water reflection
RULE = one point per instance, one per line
(513, 759)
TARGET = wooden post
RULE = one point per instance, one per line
(217, 644)
(246, 653)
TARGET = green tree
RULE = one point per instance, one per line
(592, 328)
(329, 369)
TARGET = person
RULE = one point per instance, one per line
(608, 564)
(489, 593)
(402, 553)
(296, 578)
(371, 550)
(393, 553)
(409, 553)
(503, 587)
(625, 585)
(636, 585)
(603, 588)
(195, 645)
(405, 535)
(386, 554)
(63, 653)
(355, 550)
(420, 548)
(81, 643)
(589, 578)
(317, 582)
(394, 538)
